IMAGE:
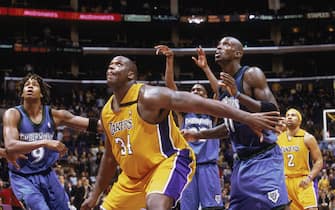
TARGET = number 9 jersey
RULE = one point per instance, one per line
(41, 158)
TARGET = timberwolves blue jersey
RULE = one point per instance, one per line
(243, 139)
(41, 158)
(205, 150)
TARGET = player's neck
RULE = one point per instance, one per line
(231, 67)
(119, 93)
(33, 109)
(292, 132)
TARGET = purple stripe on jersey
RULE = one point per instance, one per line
(180, 173)
(316, 188)
(166, 141)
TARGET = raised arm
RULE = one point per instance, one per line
(255, 85)
(201, 61)
(13, 144)
(169, 71)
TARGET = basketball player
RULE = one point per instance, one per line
(200, 191)
(298, 146)
(257, 180)
(31, 128)
(156, 161)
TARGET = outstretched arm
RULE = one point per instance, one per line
(201, 61)
(156, 98)
(64, 117)
(169, 72)
(11, 137)
(218, 132)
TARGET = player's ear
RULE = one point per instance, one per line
(131, 75)
(238, 54)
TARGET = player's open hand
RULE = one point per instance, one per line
(264, 121)
(229, 83)
(163, 49)
(57, 146)
(12, 157)
(201, 61)
(88, 204)
(305, 182)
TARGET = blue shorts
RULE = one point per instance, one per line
(204, 189)
(259, 182)
(41, 191)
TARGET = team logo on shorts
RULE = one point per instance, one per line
(218, 199)
(273, 196)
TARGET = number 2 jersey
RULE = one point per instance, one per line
(296, 155)
(41, 158)
(137, 145)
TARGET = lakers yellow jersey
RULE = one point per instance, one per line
(137, 145)
(296, 154)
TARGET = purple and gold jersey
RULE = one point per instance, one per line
(137, 145)
(296, 154)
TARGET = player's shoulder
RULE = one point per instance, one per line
(309, 138)
(154, 91)
(308, 135)
(11, 115)
(254, 70)
(12, 112)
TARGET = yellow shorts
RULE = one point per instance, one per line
(302, 198)
(170, 178)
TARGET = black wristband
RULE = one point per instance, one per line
(92, 125)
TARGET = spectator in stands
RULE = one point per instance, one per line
(199, 191)
(31, 128)
(324, 184)
(324, 201)
(298, 146)
(78, 194)
(7, 196)
(137, 119)
(259, 163)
